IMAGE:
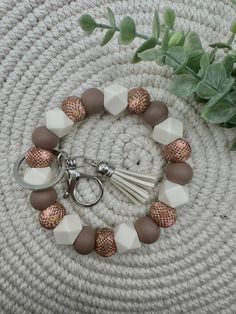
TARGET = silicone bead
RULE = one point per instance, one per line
(58, 122)
(93, 101)
(126, 237)
(51, 216)
(37, 157)
(162, 214)
(38, 176)
(73, 108)
(68, 229)
(105, 244)
(138, 100)
(44, 138)
(155, 113)
(85, 242)
(148, 232)
(173, 194)
(180, 173)
(115, 99)
(167, 131)
(43, 199)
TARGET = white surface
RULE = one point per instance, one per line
(173, 194)
(126, 238)
(58, 122)
(68, 229)
(38, 176)
(168, 131)
(115, 99)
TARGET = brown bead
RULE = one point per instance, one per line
(44, 138)
(51, 216)
(93, 101)
(37, 157)
(177, 151)
(163, 215)
(138, 100)
(180, 172)
(85, 242)
(155, 113)
(43, 199)
(105, 244)
(73, 108)
(148, 232)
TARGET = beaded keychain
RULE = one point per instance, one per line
(69, 229)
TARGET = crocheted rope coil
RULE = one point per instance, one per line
(44, 58)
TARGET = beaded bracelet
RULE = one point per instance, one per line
(68, 229)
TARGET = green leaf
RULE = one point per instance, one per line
(107, 37)
(227, 125)
(233, 27)
(219, 113)
(192, 42)
(233, 1)
(231, 39)
(213, 55)
(156, 28)
(204, 64)
(111, 18)
(87, 23)
(221, 45)
(218, 97)
(169, 17)
(233, 147)
(176, 39)
(216, 76)
(194, 59)
(233, 120)
(165, 39)
(127, 31)
(228, 63)
(183, 85)
(176, 57)
(147, 44)
(152, 54)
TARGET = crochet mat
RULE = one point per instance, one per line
(44, 58)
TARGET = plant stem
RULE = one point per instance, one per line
(117, 29)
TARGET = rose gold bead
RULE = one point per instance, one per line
(177, 151)
(163, 215)
(73, 108)
(138, 100)
(37, 157)
(105, 243)
(50, 217)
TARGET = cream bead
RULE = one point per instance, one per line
(167, 131)
(115, 99)
(173, 194)
(126, 237)
(58, 122)
(38, 176)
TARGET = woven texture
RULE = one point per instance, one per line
(44, 58)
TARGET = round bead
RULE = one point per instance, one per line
(138, 100)
(93, 101)
(177, 151)
(148, 232)
(73, 108)
(85, 242)
(37, 157)
(44, 138)
(51, 216)
(43, 199)
(163, 215)
(105, 244)
(180, 172)
(155, 113)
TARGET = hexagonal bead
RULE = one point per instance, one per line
(38, 176)
(168, 131)
(58, 122)
(115, 99)
(173, 194)
(68, 229)
(126, 237)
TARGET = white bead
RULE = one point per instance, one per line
(168, 131)
(173, 194)
(68, 229)
(58, 122)
(126, 237)
(115, 99)
(38, 176)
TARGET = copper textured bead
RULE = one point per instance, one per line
(85, 242)
(148, 232)
(44, 138)
(37, 157)
(50, 217)
(177, 151)
(73, 108)
(105, 244)
(138, 100)
(163, 215)
(43, 199)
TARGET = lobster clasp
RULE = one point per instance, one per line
(73, 177)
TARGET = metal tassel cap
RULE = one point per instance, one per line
(105, 243)
(37, 157)
(177, 151)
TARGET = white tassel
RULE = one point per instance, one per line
(134, 185)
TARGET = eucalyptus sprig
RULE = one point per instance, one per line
(196, 72)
